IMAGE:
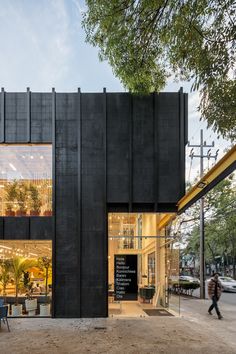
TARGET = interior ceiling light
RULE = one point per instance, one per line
(12, 166)
(8, 248)
(33, 254)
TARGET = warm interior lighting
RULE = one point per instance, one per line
(26, 180)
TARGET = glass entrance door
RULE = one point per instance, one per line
(136, 264)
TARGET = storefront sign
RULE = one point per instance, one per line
(126, 287)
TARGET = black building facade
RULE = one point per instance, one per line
(111, 152)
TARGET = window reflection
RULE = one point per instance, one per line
(25, 180)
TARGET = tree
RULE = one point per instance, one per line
(5, 276)
(220, 226)
(18, 266)
(146, 41)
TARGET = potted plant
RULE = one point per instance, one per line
(47, 212)
(18, 266)
(22, 194)
(45, 263)
(5, 277)
(11, 195)
(30, 302)
(47, 189)
(35, 202)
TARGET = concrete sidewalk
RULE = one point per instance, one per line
(196, 310)
(193, 332)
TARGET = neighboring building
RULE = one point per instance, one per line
(101, 153)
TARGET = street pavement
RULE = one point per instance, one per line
(196, 310)
(226, 298)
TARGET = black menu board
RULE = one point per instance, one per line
(126, 287)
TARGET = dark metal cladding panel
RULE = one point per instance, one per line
(16, 228)
(143, 149)
(41, 228)
(41, 117)
(168, 125)
(67, 243)
(15, 118)
(1, 228)
(118, 145)
(94, 238)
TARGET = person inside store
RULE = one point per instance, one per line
(214, 293)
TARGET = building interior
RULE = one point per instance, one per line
(138, 235)
(26, 180)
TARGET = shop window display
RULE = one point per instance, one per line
(25, 180)
(26, 277)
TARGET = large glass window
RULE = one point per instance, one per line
(25, 180)
(26, 277)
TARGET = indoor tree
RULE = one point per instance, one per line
(18, 266)
(5, 275)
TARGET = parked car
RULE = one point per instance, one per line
(228, 284)
(189, 279)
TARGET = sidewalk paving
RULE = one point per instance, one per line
(196, 310)
(192, 332)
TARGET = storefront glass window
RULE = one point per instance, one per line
(26, 277)
(25, 180)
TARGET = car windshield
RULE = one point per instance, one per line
(228, 280)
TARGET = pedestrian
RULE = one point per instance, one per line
(214, 293)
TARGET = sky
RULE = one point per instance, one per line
(42, 45)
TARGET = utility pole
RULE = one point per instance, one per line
(202, 145)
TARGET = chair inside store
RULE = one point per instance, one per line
(3, 316)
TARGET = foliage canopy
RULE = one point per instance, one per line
(146, 41)
(220, 226)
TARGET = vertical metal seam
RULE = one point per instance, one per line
(3, 228)
(131, 154)
(79, 152)
(157, 151)
(29, 227)
(105, 198)
(54, 199)
(181, 143)
(2, 115)
(28, 115)
(155, 132)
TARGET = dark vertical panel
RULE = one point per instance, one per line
(54, 263)
(143, 149)
(105, 198)
(155, 142)
(2, 112)
(41, 121)
(131, 181)
(181, 144)
(79, 131)
(16, 117)
(118, 146)
(168, 147)
(67, 245)
(28, 115)
(93, 251)
(186, 118)
(1, 228)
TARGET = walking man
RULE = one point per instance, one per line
(214, 293)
